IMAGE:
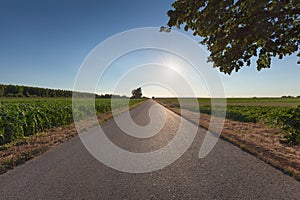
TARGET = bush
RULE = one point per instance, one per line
(290, 122)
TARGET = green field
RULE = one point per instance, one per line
(20, 117)
(277, 112)
(282, 102)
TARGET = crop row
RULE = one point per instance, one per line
(24, 118)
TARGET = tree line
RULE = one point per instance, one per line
(28, 91)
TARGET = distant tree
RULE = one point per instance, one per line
(25, 91)
(11, 89)
(137, 93)
(1, 90)
(108, 96)
(234, 31)
(289, 96)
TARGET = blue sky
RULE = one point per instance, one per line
(43, 43)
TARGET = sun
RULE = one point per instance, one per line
(173, 62)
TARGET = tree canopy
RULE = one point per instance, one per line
(234, 31)
(137, 93)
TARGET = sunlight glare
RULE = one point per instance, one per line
(173, 63)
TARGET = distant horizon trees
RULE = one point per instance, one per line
(28, 91)
(289, 96)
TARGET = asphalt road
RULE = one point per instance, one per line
(70, 172)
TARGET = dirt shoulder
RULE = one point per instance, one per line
(257, 139)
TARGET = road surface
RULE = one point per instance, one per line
(70, 172)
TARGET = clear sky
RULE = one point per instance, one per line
(43, 43)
